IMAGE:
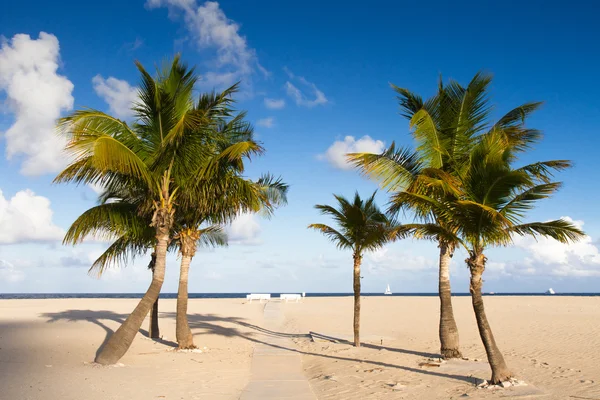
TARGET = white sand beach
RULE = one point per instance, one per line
(551, 343)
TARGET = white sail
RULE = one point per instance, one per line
(387, 290)
(550, 291)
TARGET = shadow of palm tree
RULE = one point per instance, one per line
(211, 323)
(97, 318)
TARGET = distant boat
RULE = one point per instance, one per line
(387, 290)
(492, 293)
(550, 291)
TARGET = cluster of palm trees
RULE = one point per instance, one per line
(171, 179)
(175, 175)
(465, 189)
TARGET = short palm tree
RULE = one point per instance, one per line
(445, 128)
(361, 227)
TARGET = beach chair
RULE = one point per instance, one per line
(290, 297)
(258, 296)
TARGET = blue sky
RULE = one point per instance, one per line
(315, 81)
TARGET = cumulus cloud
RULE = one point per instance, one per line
(36, 95)
(245, 229)
(268, 122)
(211, 29)
(117, 93)
(548, 256)
(27, 218)
(274, 104)
(9, 273)
(299, 96)
(336, 153)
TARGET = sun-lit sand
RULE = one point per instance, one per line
(552, 343)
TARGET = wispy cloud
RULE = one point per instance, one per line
(336, 153)
(134, 45)
(274, 104)
(299, 96)
(268, 122)
(37, 95)
(211, 29)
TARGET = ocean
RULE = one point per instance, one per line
(243, 295)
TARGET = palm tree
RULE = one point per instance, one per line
(445, 129)
(153, 154)
(495, 199)
(488, 212)
(362, 227)
(191, 155)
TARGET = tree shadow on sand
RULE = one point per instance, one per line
(97, 318)
(237, 327)
(231, 327)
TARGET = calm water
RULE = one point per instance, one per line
(240, 295)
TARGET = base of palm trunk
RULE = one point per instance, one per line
(501, 376)
(187, 347)
(450, 353)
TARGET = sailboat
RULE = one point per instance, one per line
(387, 290)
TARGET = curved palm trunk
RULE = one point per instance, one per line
(357, 261)
(121, 340)
(448, 329)
(500, 371)
(153, 329)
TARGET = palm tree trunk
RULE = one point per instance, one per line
(448, 329)
(121, 340)
(153, 329)
(357, 261)
(500, 371)
(185, 339)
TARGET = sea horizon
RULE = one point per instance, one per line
(242, 295)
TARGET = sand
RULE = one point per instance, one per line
(551, 343)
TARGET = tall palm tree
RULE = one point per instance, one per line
(152, 153)
(445, 128)
(361, 227)
(222, 193)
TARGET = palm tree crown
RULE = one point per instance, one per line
(362, 226)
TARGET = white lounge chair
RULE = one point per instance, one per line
(258, 296)
(290, 296)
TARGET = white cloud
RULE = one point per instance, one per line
(96, 188)
(211, 29)
(27, 218)
(37, 96)
(336, 153)
(10, 274)
(118, 94)
(268, 122)
(548, 256)
(274, 104)
(384, 260)
(245, 229)
(298, 95)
